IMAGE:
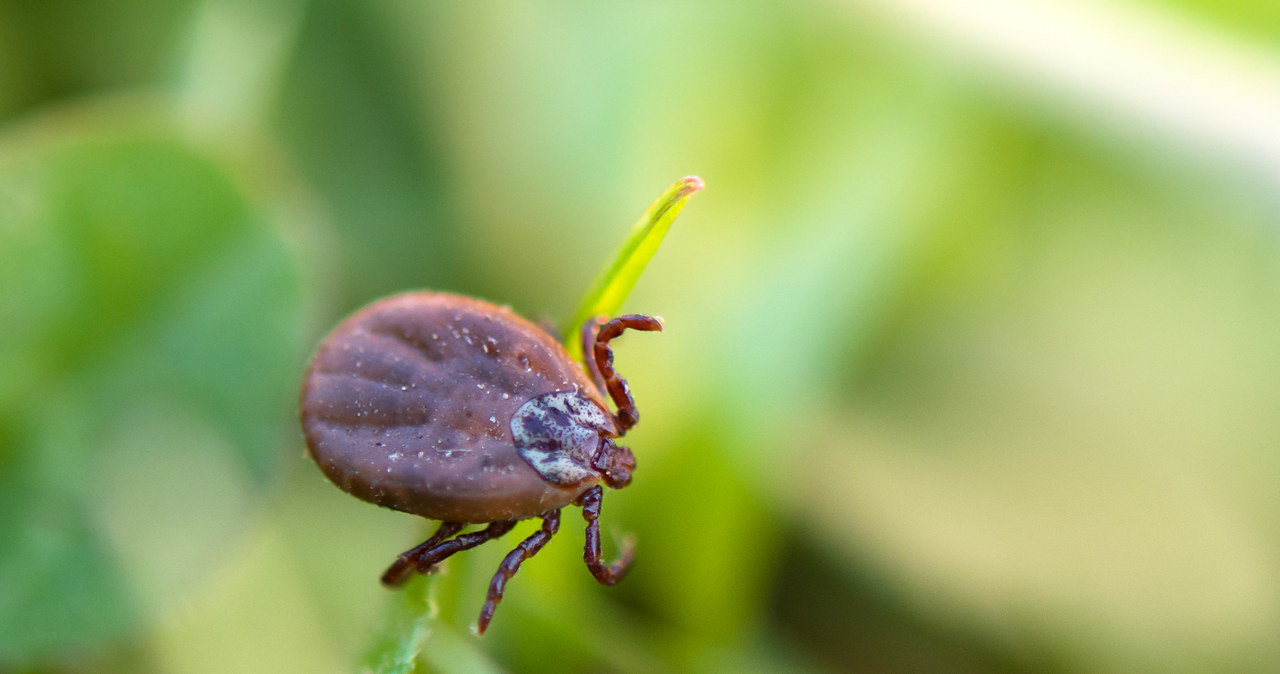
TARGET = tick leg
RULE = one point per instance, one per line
(527, 548)
(607, 574)
(589, 331)
(447, 549)
(424, 557)
(617, 386)
(399, 570)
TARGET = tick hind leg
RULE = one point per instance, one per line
(436, 549)
(511, 564)
(617, 386)
(607, 574)
(405, 563)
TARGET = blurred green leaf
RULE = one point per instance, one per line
(347, 110)
(149, 355)
(615, 282)
(51, 50)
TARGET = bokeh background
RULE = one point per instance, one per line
(973, 346)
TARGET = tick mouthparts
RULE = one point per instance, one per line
(614, 462)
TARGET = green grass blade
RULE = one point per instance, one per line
(410, 618)
(619, 277)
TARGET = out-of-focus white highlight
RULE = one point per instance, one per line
(1150, 67)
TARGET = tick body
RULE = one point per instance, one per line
(462, 411)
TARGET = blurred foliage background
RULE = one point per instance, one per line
(972, 359)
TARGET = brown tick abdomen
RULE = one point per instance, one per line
(408, 404)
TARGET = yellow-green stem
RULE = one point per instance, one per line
(616, 280)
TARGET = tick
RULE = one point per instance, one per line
(461, 411)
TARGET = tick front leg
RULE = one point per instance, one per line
(527, 548)
(617, 386)
(607, 574)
